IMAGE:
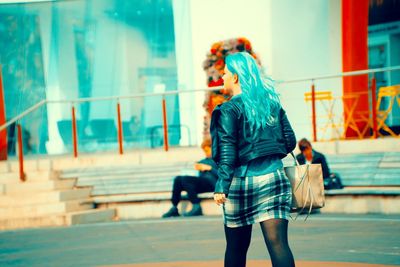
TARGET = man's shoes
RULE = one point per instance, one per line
(173, 212)
(196, 211)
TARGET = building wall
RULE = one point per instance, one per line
(306, 43)
(225, 19)
(293, 39)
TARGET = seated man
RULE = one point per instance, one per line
(309, 155)
(204, 182)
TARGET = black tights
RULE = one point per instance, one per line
(275, 236)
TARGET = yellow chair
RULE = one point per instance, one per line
(328, 101)
(392, 93)
(358, 121)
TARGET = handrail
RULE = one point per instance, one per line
(342, 74)
(92, 99)
(11, 2)
(105, 98)
(23, 114)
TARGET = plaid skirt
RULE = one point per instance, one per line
(256, 199)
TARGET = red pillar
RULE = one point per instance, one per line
(120, 131)
(74, 135)
(22, 176)
(374, 116)
(165, 124)
(3, 134)
(355, 56)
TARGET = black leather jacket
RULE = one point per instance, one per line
(233, 143)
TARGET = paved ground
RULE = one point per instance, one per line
(324, 240)
(252, 263)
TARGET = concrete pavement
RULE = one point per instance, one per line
(324, 240)
(252, 263)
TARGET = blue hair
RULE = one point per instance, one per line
(261, 102)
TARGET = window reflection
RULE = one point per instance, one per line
(79, 49)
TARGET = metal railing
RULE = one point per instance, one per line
(177, 92)
(344, 74)
(73, 102)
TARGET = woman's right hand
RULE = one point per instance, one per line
(219, 198)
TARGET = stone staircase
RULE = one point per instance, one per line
(45, 200)
(143, 191)
(134, 191)
(138, 185)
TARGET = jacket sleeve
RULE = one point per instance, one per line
(227, 140)
(214, 169)
(288, 133)
(301, 159)
(211, 163)
(325, 169)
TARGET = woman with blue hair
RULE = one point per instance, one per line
(250, 136)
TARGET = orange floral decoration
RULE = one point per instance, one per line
(214, 67)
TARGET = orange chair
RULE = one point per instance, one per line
(392, 95)
(359, 121)
(328, 101)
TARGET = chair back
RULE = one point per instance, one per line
(320, 95)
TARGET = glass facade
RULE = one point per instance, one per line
(65, 50)
(383, 52)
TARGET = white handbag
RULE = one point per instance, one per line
(307, 186)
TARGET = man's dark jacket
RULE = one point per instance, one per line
(212, 174)
(234, 144)
(317, 158)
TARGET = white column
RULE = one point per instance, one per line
(189, 111)
(55, 144)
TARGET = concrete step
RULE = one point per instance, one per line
(352, 165)
(37, 163)
(46, 209)
(33, 222)
(117, 171)
(32, 187)
(142, 197)
(390, 164)
(139, 197)
(155, 209)
(126, 181)
(371, 182)
(91, 216)
(44, 197)
(131, 189)
(80, 217)
(123, 178)
(147, 206)
(13, 177)
(348, 200)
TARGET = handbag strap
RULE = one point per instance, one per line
(302, 178)
(296, 162)
(309, 195)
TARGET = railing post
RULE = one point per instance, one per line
(165, 124)
(22, 176)
(374, 108)
(120, 136)
(314, 115)
(3, 133)
(74, 136)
